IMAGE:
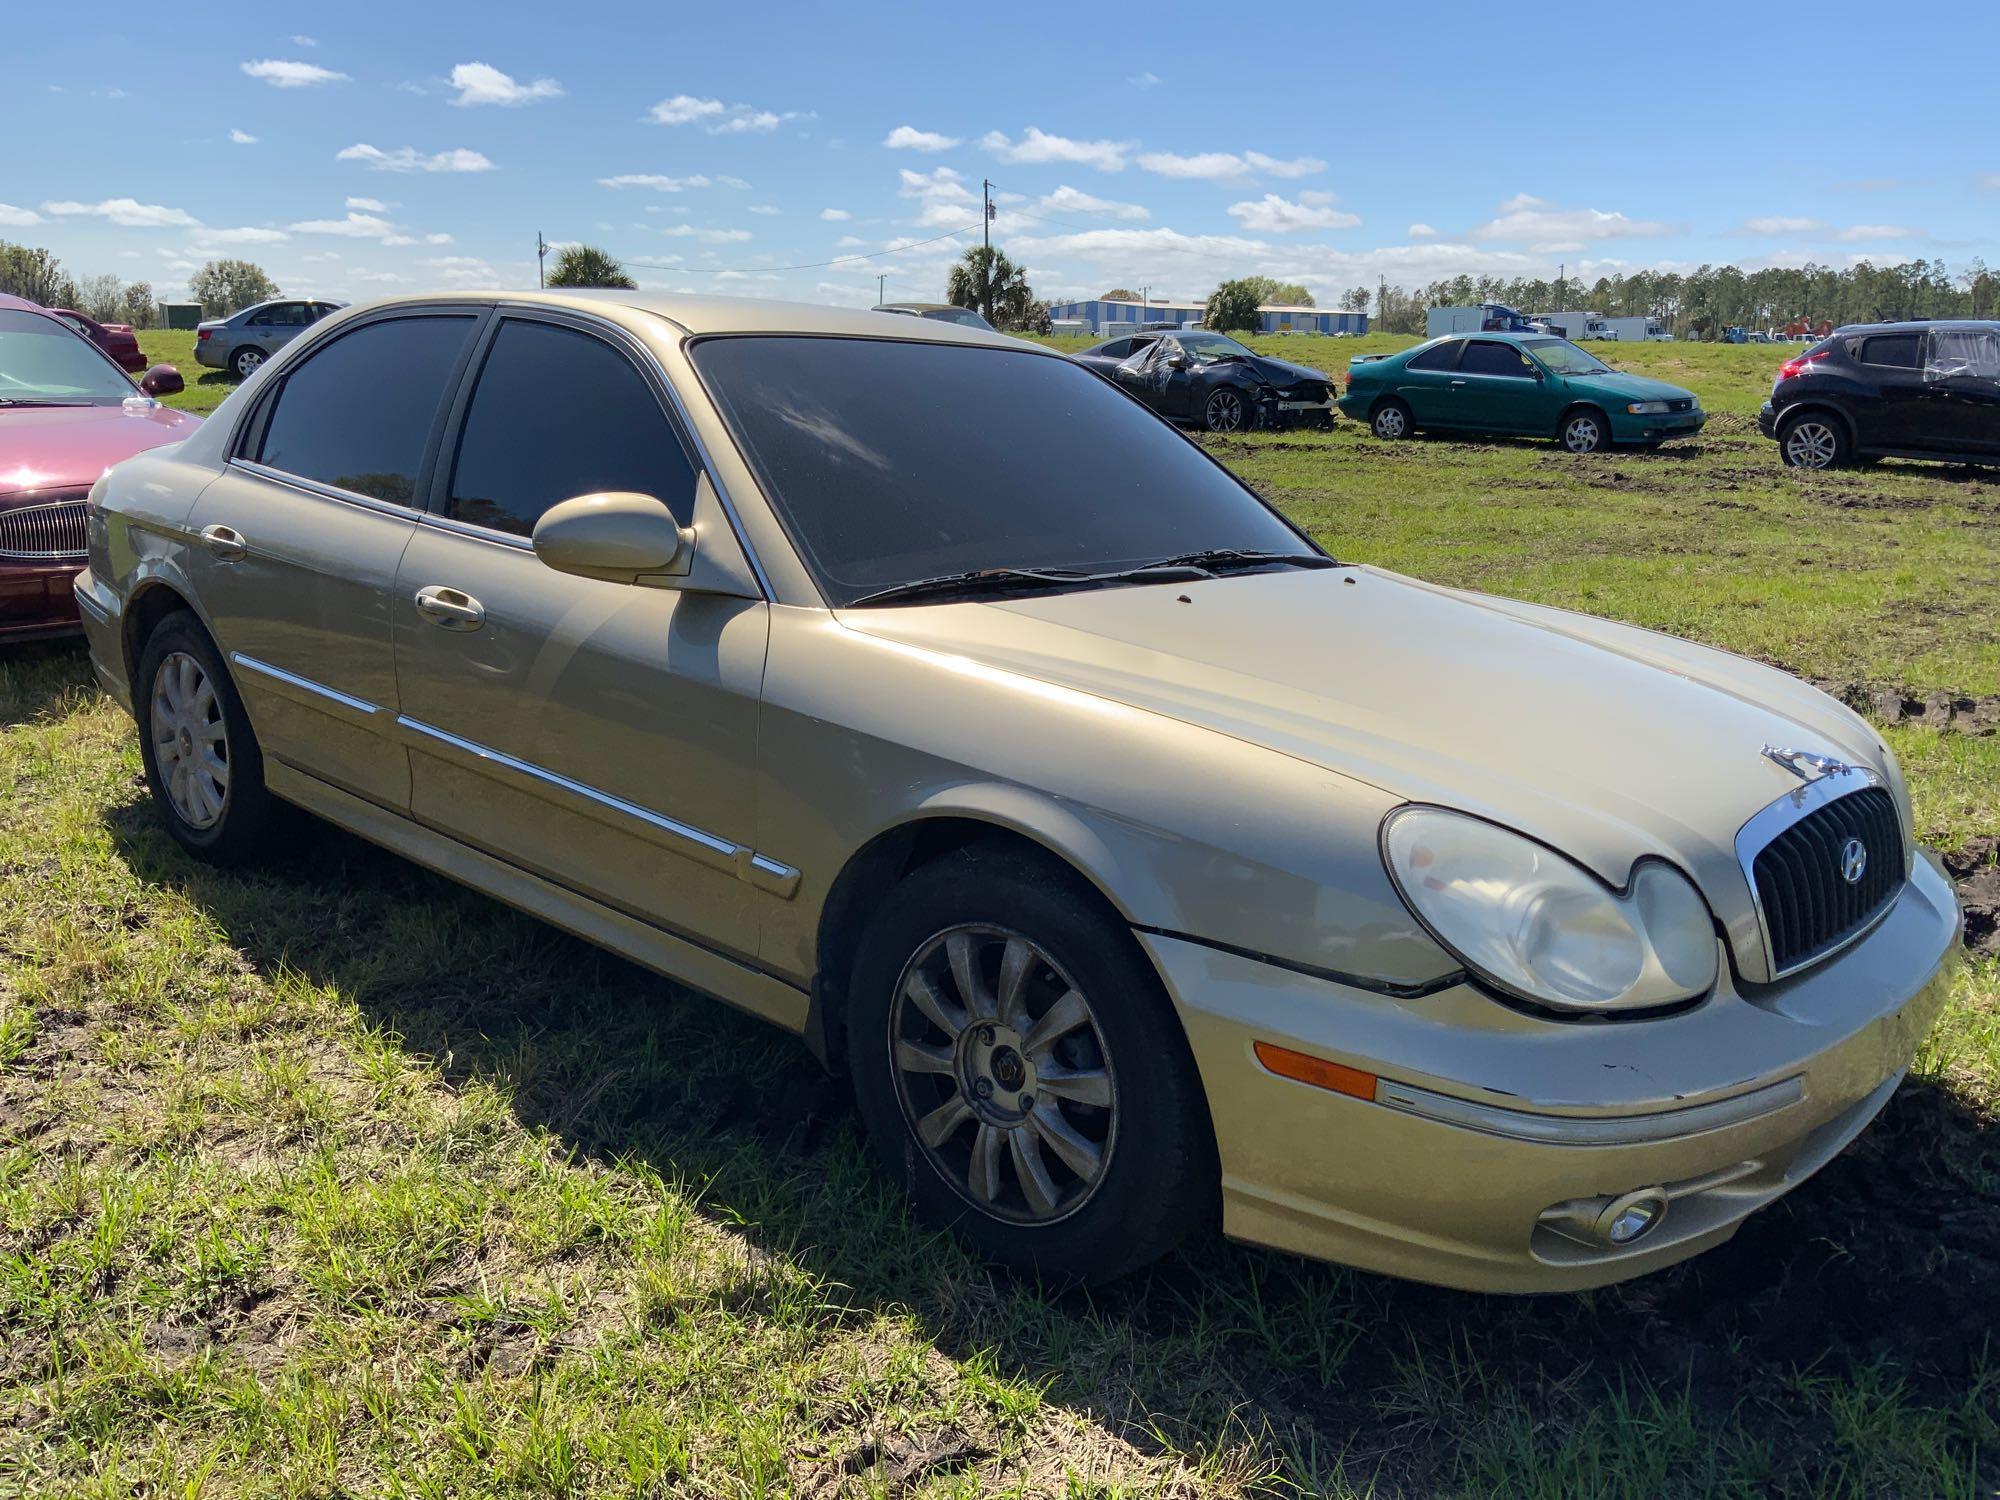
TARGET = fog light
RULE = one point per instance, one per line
(1627, 1220)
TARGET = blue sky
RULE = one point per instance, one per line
(365, 149)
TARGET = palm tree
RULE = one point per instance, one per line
(985, 279)
(586, 265)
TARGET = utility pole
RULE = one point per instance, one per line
(881, 280)
(1381, 294)
(541, 255)
(986, 236)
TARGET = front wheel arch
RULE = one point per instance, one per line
(145, 612)
(1586, 408)
(1823, 409)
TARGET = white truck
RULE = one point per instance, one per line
(1485, 317)
(1636, 331)
(1576, 326)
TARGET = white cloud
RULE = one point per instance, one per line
(359, 226)
(1989, 182)
(947, 202)
(718, 118)
(125, 211)
(1147, 80)
(303, 41)
(9, 214)
(765, 208)
(1272, 214)
(1550, 230)
(653, 180)
(835, 215)
(1225, 166)
(1780, 224)
(246, 236)
(242, 138)
(1037, 147)
(478, 83)
(291, 75)
(370, 205)
(909, 138)
(707, 236)
(1067, 199)
(463, 268)
(731, 182)
(1855, 233)
(1421, 232)
(409, 159)
(389, 276)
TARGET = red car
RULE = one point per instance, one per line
(67, 413)
(115, 339)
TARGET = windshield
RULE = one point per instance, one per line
(1564, 357)
(965, 317)
(890, 462)
(1207, 348)
(44, 363)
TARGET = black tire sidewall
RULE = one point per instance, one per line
(250, 816)
(1162, 1180)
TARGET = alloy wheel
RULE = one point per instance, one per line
(1225, 412)
(247, 362)
(1810, 445)
(1582, 435)
(1390, 422)
(1002, 1073)
(190, 741)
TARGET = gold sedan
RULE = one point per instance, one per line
(917, 690)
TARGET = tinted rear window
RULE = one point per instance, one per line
(1440, 357)
(892, 461)
(1903, 351)
(357, 413)
(1484, 357)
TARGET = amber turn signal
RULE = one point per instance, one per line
(1316, 1071)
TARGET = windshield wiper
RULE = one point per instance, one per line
(1211, 558)
(37, 401)
(977, 581)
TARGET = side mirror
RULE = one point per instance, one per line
(619, 537)
(162, 380)
(1177, 361)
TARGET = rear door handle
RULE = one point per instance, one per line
(225, 542)
(453, 609)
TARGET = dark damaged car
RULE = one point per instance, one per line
(1212, 381)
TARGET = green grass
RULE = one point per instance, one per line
(335, 1179)
(206, 388)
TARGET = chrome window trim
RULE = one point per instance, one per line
(319, 689)
(472, 533)
(623, 338)
(749, 864)
(1600, 1130)
(1774, 818)
(327, 491)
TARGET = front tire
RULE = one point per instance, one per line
(245, 362)
(1812, 440)
(1390, 421)
(203, 765)
(1021, 1072)
(1586, 430)
(1226, 410)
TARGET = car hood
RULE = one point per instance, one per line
(1605, 741)
(1281, 371)
(46, 447)
(1631, 387)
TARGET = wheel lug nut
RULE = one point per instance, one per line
(986, 1036)
(983, 1087)
(1027, 1101)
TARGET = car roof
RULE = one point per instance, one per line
(1915, 325)
(700, 315)
(20, 304)
(919, 307)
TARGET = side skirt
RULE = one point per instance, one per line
(688, 963)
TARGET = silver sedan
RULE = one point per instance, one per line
(244, 340)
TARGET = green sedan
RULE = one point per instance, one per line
(1524, 384)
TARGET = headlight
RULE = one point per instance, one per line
(1648, 408)
(1541, 928)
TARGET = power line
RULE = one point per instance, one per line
(813, 265)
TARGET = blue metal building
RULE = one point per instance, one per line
(1107, 319)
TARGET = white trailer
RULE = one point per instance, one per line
(1637, 331)
(1576, 326)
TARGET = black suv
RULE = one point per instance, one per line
(1890, 390)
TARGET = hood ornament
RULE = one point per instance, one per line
(1804, 764)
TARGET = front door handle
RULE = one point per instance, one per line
(225, 542)
(1456, 384)
(453, 609)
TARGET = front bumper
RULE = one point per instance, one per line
(1658, 427)
(35, 600)
(102, 613)
(1767, 420)
(1490, 1130)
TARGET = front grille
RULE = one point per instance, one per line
(1686, 403)
(1809, 905)
(52, 531)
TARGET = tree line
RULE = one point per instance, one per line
(221, 287)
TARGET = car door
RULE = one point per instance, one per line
(1496, 389)
(300, 535)
(1425, 383)
(1890, 400)
(1145, 373)
(1962, 377)
(601, 735)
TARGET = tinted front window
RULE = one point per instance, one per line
(358, 412)
(1207, 348)
(44, 363)
(1902, 351)
(1485, 357)
(1439, 357)
(557, 414)
(890, 462)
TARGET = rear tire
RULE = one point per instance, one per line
(1021, 1072)
(245, 362)
(203, 765)
(1813, 440)
(1390, 421)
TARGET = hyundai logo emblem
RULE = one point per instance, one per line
(1853, 861)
